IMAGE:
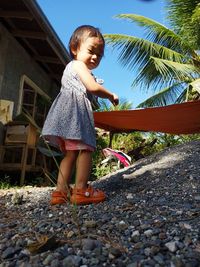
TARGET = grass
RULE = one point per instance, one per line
(5, 183)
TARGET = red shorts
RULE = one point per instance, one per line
(69, 144)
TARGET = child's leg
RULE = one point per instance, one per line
(83, 194)
(65, 170)
(83, 168)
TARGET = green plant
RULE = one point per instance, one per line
(142, 144)
(101, 170)
(5, 183)
(164, 59)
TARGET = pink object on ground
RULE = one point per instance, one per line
(122, 157)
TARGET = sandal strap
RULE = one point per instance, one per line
(62, 193)
(89, 191)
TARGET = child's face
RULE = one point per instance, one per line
(90, 52)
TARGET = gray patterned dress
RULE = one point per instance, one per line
(71, 115)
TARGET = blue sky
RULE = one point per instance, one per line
(65, 16)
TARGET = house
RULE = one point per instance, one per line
(32, 56)
(32, 60)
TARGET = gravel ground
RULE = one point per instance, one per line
(150, 218)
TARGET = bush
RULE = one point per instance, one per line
(141, 144)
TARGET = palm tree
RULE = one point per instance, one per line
(184, 17)
(106, 106)
(162, 60)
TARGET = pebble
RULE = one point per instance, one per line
(150, 219)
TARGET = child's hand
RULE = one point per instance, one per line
(114, 99)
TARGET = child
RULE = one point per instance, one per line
(70, 123)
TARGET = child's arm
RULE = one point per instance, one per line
(90, 83)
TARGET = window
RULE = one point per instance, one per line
(34, 101)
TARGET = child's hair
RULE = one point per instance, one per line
(80, 34)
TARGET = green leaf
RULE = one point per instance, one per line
(175, 70)
(158, 33)
(164, 97)
(137, 51)
(196, 85)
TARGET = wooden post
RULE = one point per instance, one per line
(24, 161)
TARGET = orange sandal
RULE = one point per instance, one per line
(87, 196)
(60, 197)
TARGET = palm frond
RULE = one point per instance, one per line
(160, 72)
(136, 51)
(183, 96)
(105, 105)
(196, 85)
(161, 59)
(165, 96)
(191, 92)
(179, 12)
(149, 76)
(183, 15)
(175, 70)
(123, 105)
(158, 33)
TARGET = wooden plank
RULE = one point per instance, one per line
(29, 34)
(16, 14)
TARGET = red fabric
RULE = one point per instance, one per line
(175, 119)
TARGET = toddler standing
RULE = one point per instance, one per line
(70, 124)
